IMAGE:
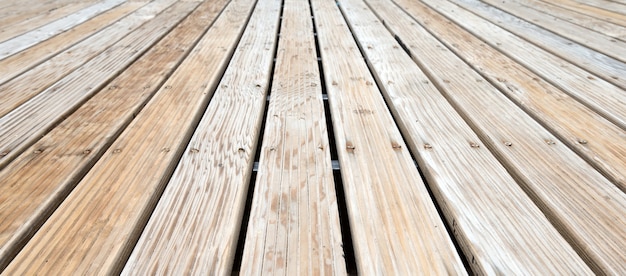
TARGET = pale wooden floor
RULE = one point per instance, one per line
(301, 137)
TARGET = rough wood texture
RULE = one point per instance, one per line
(467, 191)
(600, 142)
(195, 227)
(603, 14)
(602, 43)
(19, 63)
(24, 125)
(597, 63)
(564, 186)
(294, 222)
(395, 226)
(608, 5)
(33, 37)
(603, 97)
(36, 183)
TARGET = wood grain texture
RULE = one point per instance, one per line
(597, 63)
(587, 21)
(603, 14)
(195, 227)
(395, 226)
(43, 76)
(466, 178)
(8, 32)
(11, 14)
(607, 45)
(294, 222)
(24, 125)
(565, 187)
(578, 83)
(33, 37)
(36, 183)
(19, 63)
(606, 5)
(96, 227)
(571, 121)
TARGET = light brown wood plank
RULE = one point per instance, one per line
(34, 184)
(10, 13)
(467, 179)
(19, 63)
(585, 207)
(8, 32)
(19, 90)
(24, 41)
(395, 226)
(597, 63)
(572, 122)
(195, 227)
(94, 229)
(25, 124)
(606, 5)
(602, 43)
(589, 22)
(294, 222)
(592, 11)
(578, 83)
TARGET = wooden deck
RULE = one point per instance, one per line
(306, 137)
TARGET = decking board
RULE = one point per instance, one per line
(294, 221)
(75, 144)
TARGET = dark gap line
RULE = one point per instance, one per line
(257, 155)
(381, 87)
(346, 232)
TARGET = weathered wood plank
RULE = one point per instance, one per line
(568, 119)
(606, 5)
(33, 185)
(195, 226)
(592, 11)
(9, 31)
(94, 229)
(590, 22)
(294, 222)
(597, 63)
(467, 179)
(10, 13)
(395, 226)
(610, 102)
(602, 43)
(38, 79)
(588, 210)
(25, 124)
(33, 37)
(19, 63)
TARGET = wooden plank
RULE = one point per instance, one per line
(195, 227)
(395, 226)
(597, 63)
(602, 43)
(585, 207)
(33, 185)
(571, 121)
(33, 37)
(592, 11)
(590, 22)
(43, 76)
(12, 13)
(25, 124)
(578, 83)
(12, 30)
(19, 63)
(294, 222)
(606, 5)
(94, 229)
(516, 239)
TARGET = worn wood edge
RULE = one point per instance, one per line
(58, 168)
